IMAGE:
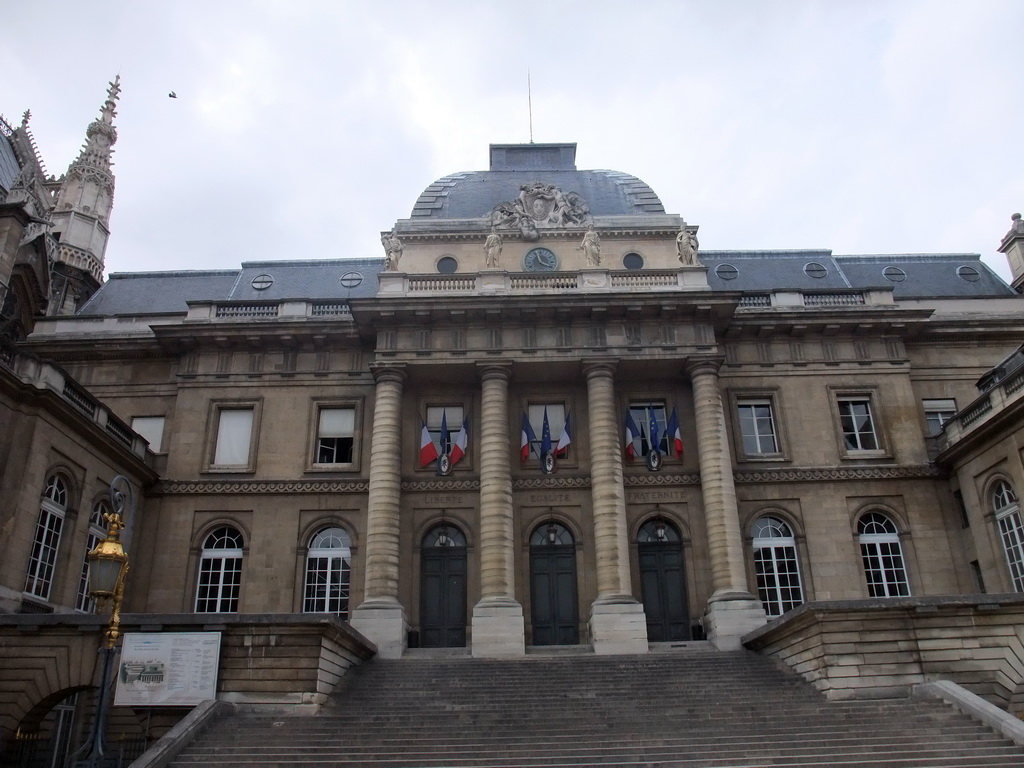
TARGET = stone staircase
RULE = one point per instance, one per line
(687, 708)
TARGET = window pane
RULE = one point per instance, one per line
(337, 422)
(858, 427)
(757, 427)
(234, 433)
(556, 421)
(1012, 533)
(642, 414)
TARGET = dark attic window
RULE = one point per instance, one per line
(727, 271)
(262, 282)
(447, 265)
(633, 261)
(350, 279)
(815, 270)
(895, 274)
(970, 274)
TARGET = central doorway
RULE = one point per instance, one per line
(663, 581)
(443, 588)
(553, 601)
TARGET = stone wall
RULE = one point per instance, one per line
(265, 658)
(882, 647)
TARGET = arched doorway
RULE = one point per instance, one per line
(663, 581)
(553, 586)
(443, 588)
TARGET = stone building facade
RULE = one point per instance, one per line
(546, 416)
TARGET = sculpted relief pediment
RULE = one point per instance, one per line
(540, 206)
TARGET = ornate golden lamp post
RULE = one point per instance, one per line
(108, 567)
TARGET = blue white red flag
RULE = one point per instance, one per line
(565, 439)
(460, 442)
(652, 425)
(527, 437)
(428, 451)
(631, 435)
(675, 437)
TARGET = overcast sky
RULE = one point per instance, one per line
(303, 129)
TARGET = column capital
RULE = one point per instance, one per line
(605, 367)
(494, 369)
(395, 372)
(702, 365)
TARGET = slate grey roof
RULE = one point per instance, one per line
(923, 275)
(145, 293)
(9, 168)
(471, 195)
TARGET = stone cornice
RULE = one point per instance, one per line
(656, 478)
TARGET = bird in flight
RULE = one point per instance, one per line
(172, 95)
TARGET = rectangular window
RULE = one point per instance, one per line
(335, 435)
(220, 580)
(151, 428)
(642, 415)
(556, 423)
(85, 603)
(234, 436)
(857, 423)
(937, 413)
(450, 418)
(757, 427)
(1012, 532)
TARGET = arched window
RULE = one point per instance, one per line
(43, 560)
(220, 572)
(328, 571)
(1007, 509)
(776, 566)
(883, 556)
(97, 532)
(553, 534)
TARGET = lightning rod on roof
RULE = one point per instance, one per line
(529, 101)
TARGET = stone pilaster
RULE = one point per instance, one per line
(617, 622)
(732, 611)
(380, 617)
(498, 624)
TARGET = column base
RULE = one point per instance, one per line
(499, 631)
(618, 625)
(383, 623)
(731, 615)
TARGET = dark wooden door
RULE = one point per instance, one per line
(663, 587)
(443, 603)
(553, 594)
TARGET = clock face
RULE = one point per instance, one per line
(540, 260)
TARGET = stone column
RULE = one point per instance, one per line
(732, 611)
(498, 624)
(617, 622)
(380, 617)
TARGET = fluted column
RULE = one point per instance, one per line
(381, 617)
(608, 496)
(497, 577)
(498, 624)
(617, 622)
(732, 610)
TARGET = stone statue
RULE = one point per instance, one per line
(1016, 225)
(591, 246)
(392, 250)
(687, 245)
(492, 247)
(540, 205)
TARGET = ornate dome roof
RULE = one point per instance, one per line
(476, 194)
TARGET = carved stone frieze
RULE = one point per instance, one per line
(795, 475)
(550, 482)
(176, 487)
(435, 486)
(656, 478)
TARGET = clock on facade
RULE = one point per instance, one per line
(540, 260)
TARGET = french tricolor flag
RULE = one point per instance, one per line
(460, 442)
(674, 435)
(564, 440)
(428, 451)
(527, 437)
(632, 433)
